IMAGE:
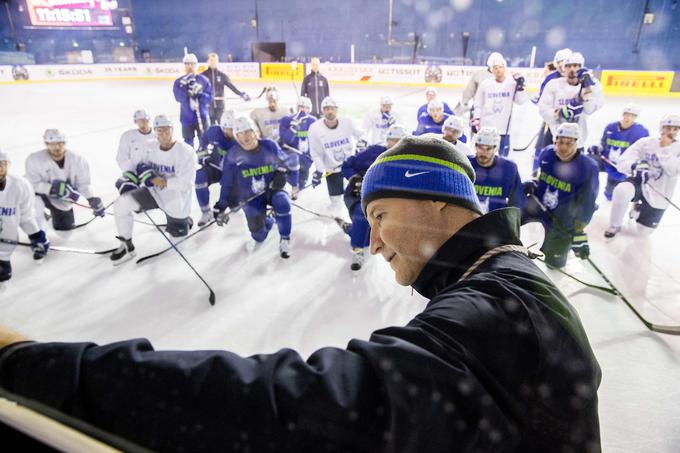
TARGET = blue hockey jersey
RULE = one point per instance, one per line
(548, 78)
(359, 163)
(498, 186)
(252, 171)
(296, 137)
(615, 141)
(180, 88)
(567, 189)
(217, 144)
(422, 111)
(427, 125)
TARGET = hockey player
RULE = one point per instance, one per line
(215, 143)
(452, 132)
(654, 166)
(431, 95)
(331, 141)
(616, 138)
(433, 122)
(59, 178)
(497, 180)
(256, 169)
(315, 87)
(16, 210)
(293, 133)
(354, 169)
(562, 197)
(494, 100)
(135, 144)
(571, 98)
(377, 122)
(194, 94)
(164, 182)
(471, 88)
(267, 118)
(218, 80)
(553, 71)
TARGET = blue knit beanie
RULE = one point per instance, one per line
(422, 168)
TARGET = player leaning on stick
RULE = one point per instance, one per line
(294, 136)
(194, 93)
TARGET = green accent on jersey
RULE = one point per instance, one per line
(555, 182)
(489, 191)
(618, 143)
(257, 171)
(302, 134)
(221, 151)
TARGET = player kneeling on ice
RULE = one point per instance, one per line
(257, 169)
(59, 178)
(654, 166)
(431, 95)
(267, 119)
(453, 132)
(378, 121)
(293, 133)
(434, 120)
(497, 361)
(498, 184)
(164, 182)
(16, 210)
(136, 144)
(354, 170)
(616, 139)
(215, 143)
(562, 197)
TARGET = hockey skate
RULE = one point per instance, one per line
(611, 231)
(345, 226)
(284, 248)
(357, 259)
(206, 217)
(125, 252)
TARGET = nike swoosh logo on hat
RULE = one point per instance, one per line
(408, 173)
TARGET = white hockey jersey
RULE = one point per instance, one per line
(493, 103)
(330, 147)
(664, 165)
(376, 123)
(42, 170)
(558, 93)
(16, 210)
(178, 167)
(134, 147)
(268, 122)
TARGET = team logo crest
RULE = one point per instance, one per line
(433, 74)
(19, 72)
(551, 198)
(257, 185)
(484, 203)
(614, 154)
(497, 106)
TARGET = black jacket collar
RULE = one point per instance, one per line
(496, 228)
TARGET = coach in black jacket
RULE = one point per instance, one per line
(219, 80)
(315, 87)
(497, 362)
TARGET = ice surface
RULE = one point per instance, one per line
(314, 299)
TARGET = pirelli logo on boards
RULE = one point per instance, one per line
(637, 82)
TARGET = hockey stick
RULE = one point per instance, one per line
(340, 222)
(293, 67)
(212, 293)
(61, 249)
(589, 285)
(232, 98)
(528, 144)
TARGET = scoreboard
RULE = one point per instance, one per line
(71, 13)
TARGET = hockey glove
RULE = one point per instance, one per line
(203, 155)
(571, 111)
(641, 172)
(195, 89)
(294, 193)
(585, 78)
(391, 120)
(361, 145)
(187, 81)
(125, 185)
(354, 185)
(294, 126)
(64, 191)
(316, 179)
(146, 174)
(474, 125)
(529, 187)
(221, 216)
(579, 245)
(97, 206)
(5, 270)
(519, 80)
(39, 244)
(245, 96)
(595, 151)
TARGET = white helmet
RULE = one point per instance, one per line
(455, 123)
(227, 121)
(328, 102)
(432, 90)
(243, 124)
(487, 136)
(575, 58)
(304, 101)
(396, 132)
(4, 156)
(386, 100)
(570, 130)
(272, 93)
(435, 104)
(632, 108)
(190, 58)
(54, 136)
(141, 114)
(561, 55)
(161, 121)
(495, 59)
(671, 119)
